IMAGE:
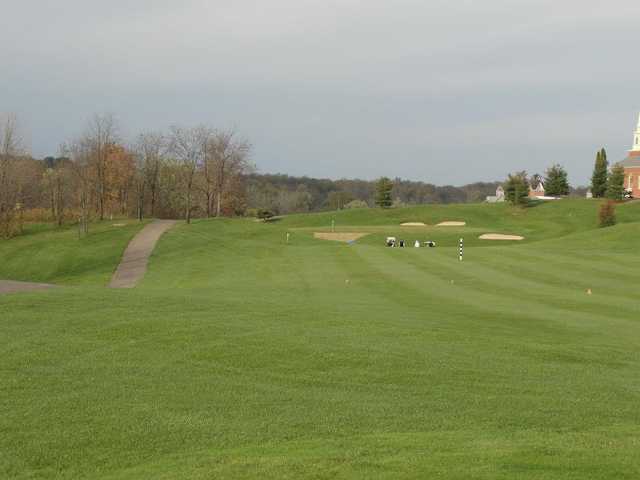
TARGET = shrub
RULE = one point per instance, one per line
(265, 214)
(251, 212)
(607, 214)
(357, 204)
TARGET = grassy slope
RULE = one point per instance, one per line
(240, 357)
(47, 254)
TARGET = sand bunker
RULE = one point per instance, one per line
(413, 224)
(339, 237)
(451, 224)
(499, 236)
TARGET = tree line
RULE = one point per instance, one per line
(179, 173)
(606, 182)
(183, 172)
(284, 194)
(200, 171)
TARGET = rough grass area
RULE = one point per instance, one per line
(242, 357)
(56, 255)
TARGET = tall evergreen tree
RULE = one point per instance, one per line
(383, 192)
(516, 188)
(600, 174)
(615, 183)
(556, 182)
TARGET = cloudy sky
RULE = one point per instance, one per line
(435, 90)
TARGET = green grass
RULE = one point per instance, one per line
(242, 357)
(48, 254)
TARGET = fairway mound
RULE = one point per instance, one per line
(413, 224)
(451, 224)
(339, 237)
(499, 236)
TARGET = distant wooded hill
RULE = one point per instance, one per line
(287, 194)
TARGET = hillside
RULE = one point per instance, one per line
(241, 356)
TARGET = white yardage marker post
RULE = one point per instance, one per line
(460, 251)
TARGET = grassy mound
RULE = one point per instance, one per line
(240, 356)
(57, 255)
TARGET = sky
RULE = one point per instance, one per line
(447, 92)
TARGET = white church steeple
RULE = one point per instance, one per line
(636, 138)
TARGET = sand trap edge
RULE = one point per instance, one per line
(413, 224)
(451, 224)
(339, 236)
(499, 236)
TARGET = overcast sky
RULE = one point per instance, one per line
(435, 90)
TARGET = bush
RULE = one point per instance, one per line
(265, 214)
(357, 204)
(607, 214)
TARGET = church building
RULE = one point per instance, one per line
(631, 166)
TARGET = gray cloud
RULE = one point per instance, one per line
(448, 92)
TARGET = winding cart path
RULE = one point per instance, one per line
(134, 262)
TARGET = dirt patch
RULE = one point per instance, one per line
(499, 236)
(413, 224)
(7, 286)
(339, 237)
(451, 224)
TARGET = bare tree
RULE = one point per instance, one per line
(99, 138)
(150, 149)
(80, 154)
(11, 147)
(55, 183)
(227, 157)
(188, 145)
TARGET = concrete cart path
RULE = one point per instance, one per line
(9, 286)
(133, 265)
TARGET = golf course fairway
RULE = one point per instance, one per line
(242, 356)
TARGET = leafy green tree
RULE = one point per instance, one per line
(556, 182)
(516, 188)
(615, 183)
(383, 193)
(600, 175)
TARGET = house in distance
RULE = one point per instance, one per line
(498, 197)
